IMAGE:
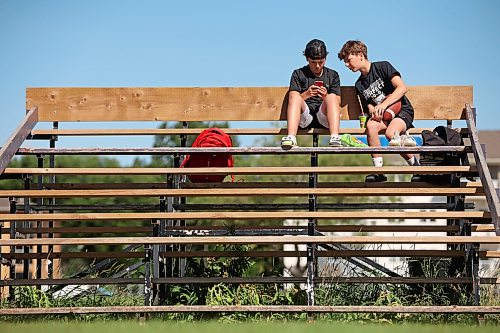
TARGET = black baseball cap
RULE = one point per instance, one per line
(315, 50)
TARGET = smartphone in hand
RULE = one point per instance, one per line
(318, 83)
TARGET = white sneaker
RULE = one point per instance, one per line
(335, 141)
(408, 141)
(396, 140)
(288, 142)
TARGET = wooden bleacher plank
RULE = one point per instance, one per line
(202, 104)
(73, 255)
(320, 228)
(234, 192)
(232, 240)
(88, 230)
(243, 150)
(195, 131)
(245, 184)
(247, 215)
(341, 170)
(347, 228)
(454, 309)
(489, 254)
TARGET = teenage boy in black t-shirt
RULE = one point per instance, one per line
(378, 87)
(313, 97)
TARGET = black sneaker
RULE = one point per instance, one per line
(416, 178)
(375, 178)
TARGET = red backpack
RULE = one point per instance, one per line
(211, 137)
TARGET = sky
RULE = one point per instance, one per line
(154, 43)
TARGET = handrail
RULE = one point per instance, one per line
(17, 138)
(482, 169)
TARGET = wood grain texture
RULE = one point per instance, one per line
(227, 215)
(212, 240)
(321, 228)
(196, 131)
(210, 103)
(235, 192)
(253, 309)
(43, 133)
(276, 150)
(245, 170)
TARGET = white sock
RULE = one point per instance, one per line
(292, 137)
(378, 161)
(411, 161)
(335, 136)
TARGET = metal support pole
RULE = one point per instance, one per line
(311, 229)
(39, 224)
(26, 224)
(12, 268)
(155, 288)
(167, 206)
(52, 201)
(182, 201)
(474, 254)
(457, 203)
(148, 285)
(161, 268)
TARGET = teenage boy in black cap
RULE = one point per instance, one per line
(314, 97)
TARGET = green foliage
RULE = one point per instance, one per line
(30, 296)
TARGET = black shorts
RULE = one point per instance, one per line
(315, 123)
(407, 117)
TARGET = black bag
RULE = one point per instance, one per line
(440, 136)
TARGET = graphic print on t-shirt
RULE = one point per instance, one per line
(374, 92)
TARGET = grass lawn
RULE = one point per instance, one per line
(214, 327)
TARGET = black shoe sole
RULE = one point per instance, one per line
(375, 178)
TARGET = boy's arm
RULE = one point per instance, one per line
(333, 89)
(366, 107)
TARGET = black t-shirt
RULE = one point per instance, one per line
(376, 85)
(303, 78)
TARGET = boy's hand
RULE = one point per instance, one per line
(380, 109)
(322, 92)
(373, 113)
(313, 90)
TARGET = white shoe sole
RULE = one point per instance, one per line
(287, 145)
(410, 144)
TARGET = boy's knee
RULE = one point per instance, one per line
(294, 97)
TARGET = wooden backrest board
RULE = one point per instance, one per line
(229, 104)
